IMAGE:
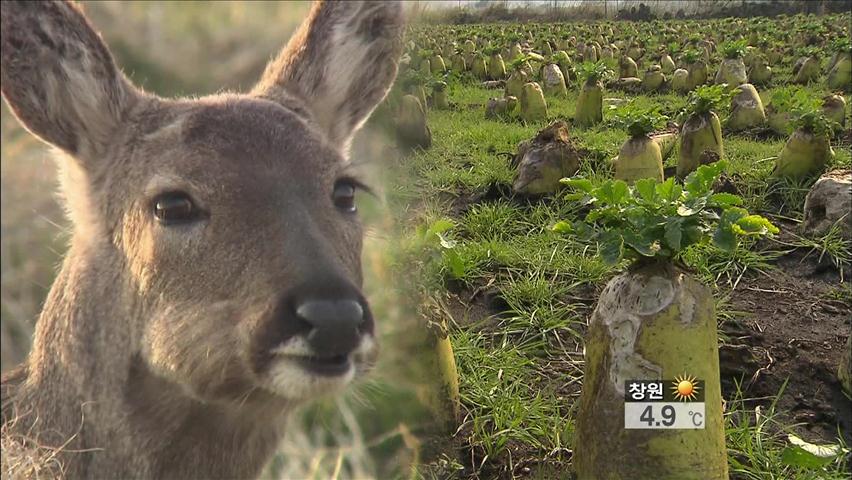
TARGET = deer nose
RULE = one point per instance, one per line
(336, 325)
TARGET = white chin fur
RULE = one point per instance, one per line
(289, 380)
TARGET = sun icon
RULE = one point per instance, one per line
(685, 387)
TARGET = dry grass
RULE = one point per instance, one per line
(24, 459)
(195, 47)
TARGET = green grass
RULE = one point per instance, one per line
(719, 268)
(830, 246)
(502, 407)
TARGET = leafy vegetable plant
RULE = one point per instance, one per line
(691, 56)
(708, 97)
(591, 72)
(660, 220)
(793, 97)
(807, 455)
(814, 121)
(805, 110)
(735, 49)
(808, 51)
(672, 48)
(638, 121)
(842, 45)
(519, 63)
(492, 50)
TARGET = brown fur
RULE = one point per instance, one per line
(151, 356)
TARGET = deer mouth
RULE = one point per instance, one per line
(325, 366)
(298, 354)
(297, 371)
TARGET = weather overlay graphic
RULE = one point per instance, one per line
(664, 404)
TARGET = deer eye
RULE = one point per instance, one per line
(344, 196)
(175, 207)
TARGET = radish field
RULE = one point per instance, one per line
(501, 269)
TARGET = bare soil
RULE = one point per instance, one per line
(793, 333)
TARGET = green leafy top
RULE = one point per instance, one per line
(760, 59)
(691, 56)
(672, 48)
(560, 57)
(735, 49)
(841, 44)
(660, 220)
(808, 51)
(790, 97)
(761, 41)
(638, 122)
(813, 120)
(494, 50)
(708, 97)
(812, 27)
(805, 110)
(415, 78)
(519, 63)
(591, 72)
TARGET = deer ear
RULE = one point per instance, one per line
(59, 78)
(341, 63)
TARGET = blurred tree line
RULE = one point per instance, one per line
(195, 47)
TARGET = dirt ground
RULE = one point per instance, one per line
(793, 333)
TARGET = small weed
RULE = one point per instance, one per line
(831, 245)
(757, 441)
(715, 266)
(842, 293)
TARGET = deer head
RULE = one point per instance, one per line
(216, 244)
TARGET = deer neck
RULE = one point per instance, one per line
(88, 386)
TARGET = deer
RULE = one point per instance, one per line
(213, 279)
